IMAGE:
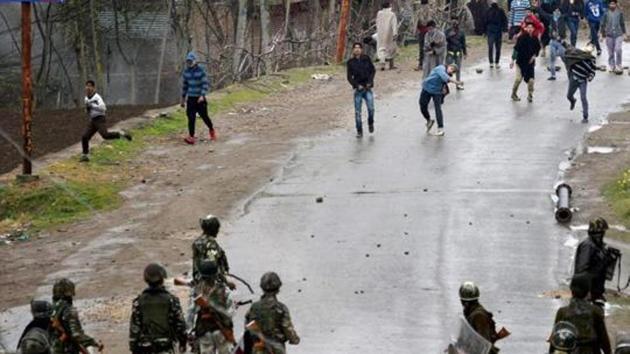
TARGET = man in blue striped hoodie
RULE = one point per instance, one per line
(194, 89)
(518, 12)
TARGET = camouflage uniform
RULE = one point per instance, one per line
(274, 323)
(592, 337)
(481, 321)
(206, 247)
(157, 322)
(214, 322)
(68, 317)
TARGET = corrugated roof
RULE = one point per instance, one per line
(145, 25)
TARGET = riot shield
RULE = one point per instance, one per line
(467, 341)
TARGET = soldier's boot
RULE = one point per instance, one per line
(530, 90)
(515, 97)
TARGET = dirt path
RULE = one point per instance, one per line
(176, 184)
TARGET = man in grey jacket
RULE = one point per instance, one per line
(614, 30)
(434, 48)
(95, 108)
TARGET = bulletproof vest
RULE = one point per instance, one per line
(35, 341)
(269, 316)
(580, 314)
(155, 316)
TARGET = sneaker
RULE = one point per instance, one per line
(491, 66)
(497, 66)
(459, 87)
(585, 120)
(572, 101)
(515, 98)
(552, 78)
(371, 128)
(213, 135)
(359, 133)
(429, 124)
(84, 158)
(126, 135)
(530, 98)
(439, 132)
(190, 140)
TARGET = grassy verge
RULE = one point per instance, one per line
(617, 195)
(68, 191)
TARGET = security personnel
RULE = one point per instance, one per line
(591, 258)
(564, 338)
(206, 247)
(213, 326)
(268, 321)
(588, 319)
(157, 321)
(477, 316)
(36, 336)
(68, 337)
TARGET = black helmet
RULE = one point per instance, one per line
(41, 309)
(210, 225)
(270, 282)
(468, 291)
(597, 226)
(580, 285)
(63, 287)
(154, 274)
(208, 269)
(564, 336)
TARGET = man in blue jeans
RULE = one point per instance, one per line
(435, 87)
(572, 11)
(361, 76)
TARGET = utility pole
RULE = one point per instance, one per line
(342, 33)
(27, 89)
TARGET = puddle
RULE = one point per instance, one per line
(600, 150)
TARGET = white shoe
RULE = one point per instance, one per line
(497, 66)
(491, 66)
(429, 124)
(439, 132)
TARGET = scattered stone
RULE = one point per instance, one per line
(303, 279)
(378, 245)
(299, 290)
(527, 222)
(182, 254)
(367, 255)
(479, 70)
(319, 200)
(406, 233)
(322, 77)
(143, 180)
(361, 292)
(406, 253)
(425, 190)
(405, 215)
(470, 223)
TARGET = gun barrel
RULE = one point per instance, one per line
(563, 209)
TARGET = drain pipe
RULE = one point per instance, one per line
(563, 210)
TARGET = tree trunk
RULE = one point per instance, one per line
(239, 43)
(97, 58)
(156, 98)
(287, 17)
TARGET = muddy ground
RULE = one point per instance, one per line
(53, 130)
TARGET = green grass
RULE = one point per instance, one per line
(617, 194)
(86, 188)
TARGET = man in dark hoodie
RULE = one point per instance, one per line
(524, 55)
(456, 48)
(581, 69)
(496, 25)
(36, 336)
(360, 72)
(572, 11)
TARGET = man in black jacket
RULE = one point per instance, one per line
(456, 48)
(525, 52)
(361, 76)
(495, 26)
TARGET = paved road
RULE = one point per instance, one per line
(407, 217)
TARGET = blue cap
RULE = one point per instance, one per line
(191, 56)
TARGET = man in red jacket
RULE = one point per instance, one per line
(539, 27)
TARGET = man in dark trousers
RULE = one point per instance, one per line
(477, 316)
(361, 76)
(525, 52)
(495, 26)
(581, 68)
(588, 319)
(96, 108)
(456, 48)
(195, 87)
(435, 87)
(592, 258)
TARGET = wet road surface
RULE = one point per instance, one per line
(407, 217)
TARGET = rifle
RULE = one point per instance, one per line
(56, 325)
(228, 333)
(503, 333)
(181, 281)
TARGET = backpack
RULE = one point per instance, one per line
(35, 341)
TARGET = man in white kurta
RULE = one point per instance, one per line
(386, 32)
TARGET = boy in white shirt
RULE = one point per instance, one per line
(95, 107)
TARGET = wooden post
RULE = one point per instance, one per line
(27, 88)
(343, 30)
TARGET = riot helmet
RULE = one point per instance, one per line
(154, 274)
(210, 225)
(41, 309)
(597, 228)
(63, 288)
(468, 291)
(208, 269)
(564, 336)
(270, 282)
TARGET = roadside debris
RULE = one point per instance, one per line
(322, 77)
